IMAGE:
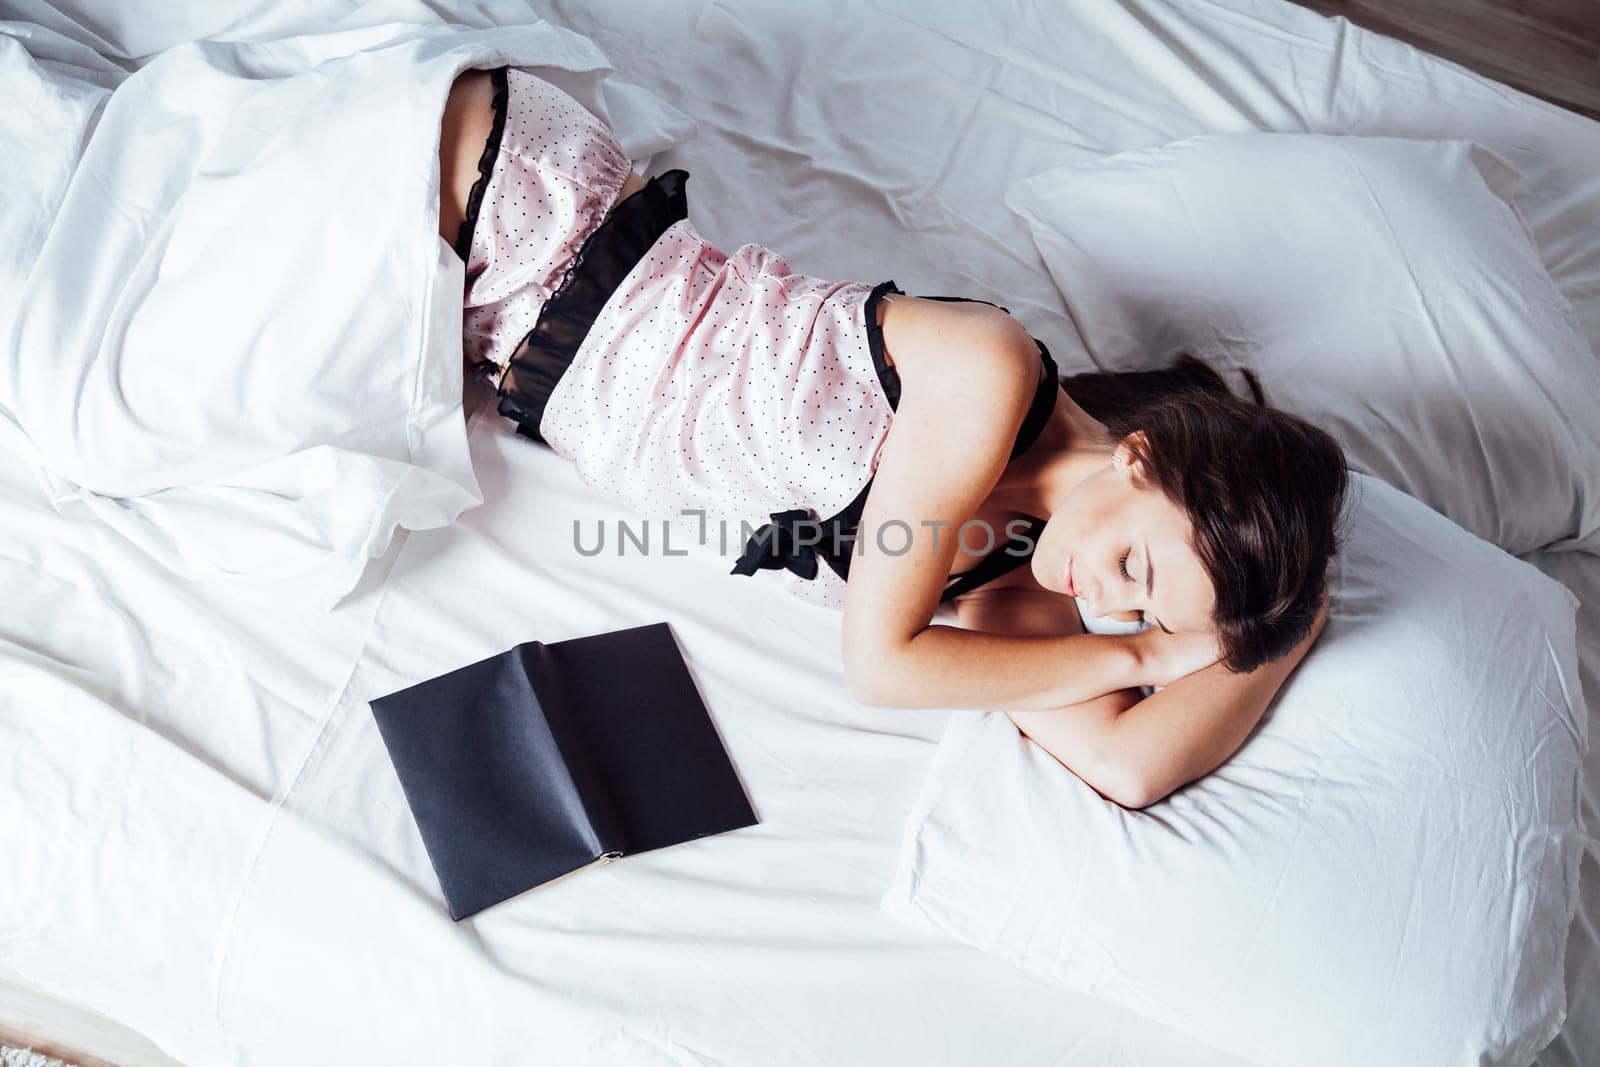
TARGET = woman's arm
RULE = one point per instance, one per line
(968, 373)
(1135, 752)
(955, 667)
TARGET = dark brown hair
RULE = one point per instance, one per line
(1263, 490)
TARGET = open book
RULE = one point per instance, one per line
(547, 758)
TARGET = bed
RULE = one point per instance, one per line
(206, 843)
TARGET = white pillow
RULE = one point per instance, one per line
(1383, 874)
(1386, 289)
(239, 343)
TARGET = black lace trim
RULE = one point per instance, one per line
(887, 375)
(486, 160)
(602, 262)
(491, 152)
(779, 544)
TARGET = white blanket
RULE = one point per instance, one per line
(216, 852)
(239, 340)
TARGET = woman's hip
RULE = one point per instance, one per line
(548, 175)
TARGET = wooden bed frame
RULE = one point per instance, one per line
(1548, 48)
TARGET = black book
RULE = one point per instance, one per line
(549, 758)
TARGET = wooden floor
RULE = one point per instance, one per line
(1549, 48)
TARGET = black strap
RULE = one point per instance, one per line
(486, 161)
(965, 300)
(1016, 551)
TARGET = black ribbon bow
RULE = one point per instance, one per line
(778, 544)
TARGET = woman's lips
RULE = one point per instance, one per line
(1066, 579)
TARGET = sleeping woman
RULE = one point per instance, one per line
(681, 378)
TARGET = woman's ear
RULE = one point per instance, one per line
(1128, 450)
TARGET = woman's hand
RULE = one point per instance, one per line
(1164, 657)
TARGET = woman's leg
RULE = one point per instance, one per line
(468, 119)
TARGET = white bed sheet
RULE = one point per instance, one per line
(1579, 1040)
(217, 852)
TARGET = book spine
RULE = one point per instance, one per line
(562, 713)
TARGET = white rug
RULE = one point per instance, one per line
(10, 1056)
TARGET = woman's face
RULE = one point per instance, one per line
(1109, 537)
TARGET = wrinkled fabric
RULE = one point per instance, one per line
(1408, 281)
(201, 750)
(231, 331)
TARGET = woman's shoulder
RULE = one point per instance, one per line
(966, 378)
(923, 335)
